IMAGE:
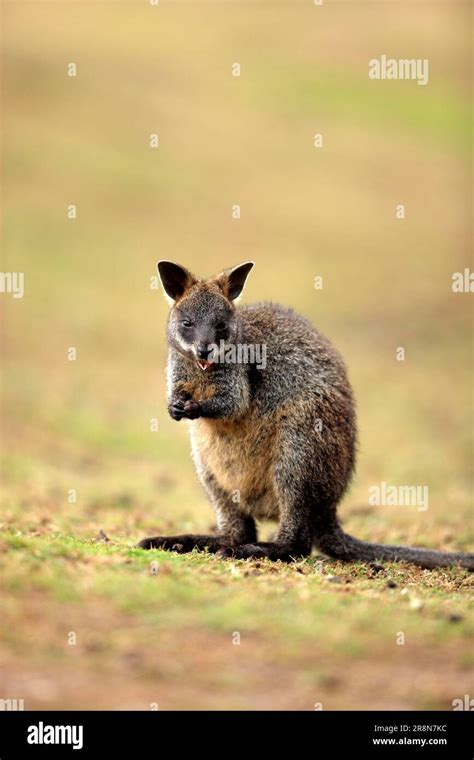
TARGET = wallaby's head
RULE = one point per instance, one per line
(203, 314)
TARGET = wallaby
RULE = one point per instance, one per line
(270, 442)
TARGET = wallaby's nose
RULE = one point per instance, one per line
(203, 351)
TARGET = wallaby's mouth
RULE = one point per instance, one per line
(203, 364)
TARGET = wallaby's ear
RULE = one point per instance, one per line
(232, 281)
(175, 279)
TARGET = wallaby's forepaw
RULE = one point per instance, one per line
(176, 410)
(179, 408)
(183, 544)
(192, 409)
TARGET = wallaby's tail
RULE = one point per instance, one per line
(339, 545)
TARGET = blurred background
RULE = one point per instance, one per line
(83, 426)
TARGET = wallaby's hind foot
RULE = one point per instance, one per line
(265, 550)
(184, 544)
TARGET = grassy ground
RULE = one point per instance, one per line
(89, 622)
(106, 626)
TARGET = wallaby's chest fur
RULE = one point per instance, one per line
(238, 454)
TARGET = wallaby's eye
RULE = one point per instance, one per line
(221, 325)
(187, 323)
